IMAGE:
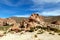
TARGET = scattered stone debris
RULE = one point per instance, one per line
(58, 33)
(33, 23)
(40, 31)
(35, 36)
(7, 21)
(52, 32)
(1, 33)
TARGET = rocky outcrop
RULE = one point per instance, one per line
(6, 22)
(11, 21)
(3, 22)
(33, 21)
(55, 22)
(15, 28)
(37, 18)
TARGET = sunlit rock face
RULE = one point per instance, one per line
(37, 18)
(6, 22)
(33, 21)
(11, 21)
(55, 22)
(15, 28)
(3, 22)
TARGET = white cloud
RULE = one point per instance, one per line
(44, 13)
(7, 2)
(45, 1)
(21, 15)
(42, 5)
(50, 13)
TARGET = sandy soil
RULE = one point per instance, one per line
(30, 36)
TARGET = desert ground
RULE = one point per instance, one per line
(33, 28)
(44, 35)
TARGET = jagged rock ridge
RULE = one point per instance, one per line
(7, 21)
(33, 21)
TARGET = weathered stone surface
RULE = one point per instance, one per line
(56, 22)
(11, 21)
(54, 26)
(5, 22)
(36, 18)
(33, 21)
(15, 28)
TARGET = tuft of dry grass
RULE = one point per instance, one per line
(4, 28)
(52, 32)
(35, 36)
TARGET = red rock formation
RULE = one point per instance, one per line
(3, 22)
(33, 21)
(56, 22)
(11, 21)
(15, 28)
(37, 18)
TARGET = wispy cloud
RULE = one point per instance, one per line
(44, 13)
(21, 15)
(23, 8)
(42, 5)
(50, 13)
(9, 3)
(45, 1)
(47, 7)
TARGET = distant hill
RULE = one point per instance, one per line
(18, 19)
(52, 18)
(47, 18)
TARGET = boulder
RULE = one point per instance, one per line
(11, 21)
(15, 28)
(55, 22)
(6, 22)
(33, 21)
(37, 18)
(3, 22)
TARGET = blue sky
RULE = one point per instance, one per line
(25, 8)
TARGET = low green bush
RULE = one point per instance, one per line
(40, 31)
(4, 28)
(52, 33)
(35, 36)
(31, 29)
